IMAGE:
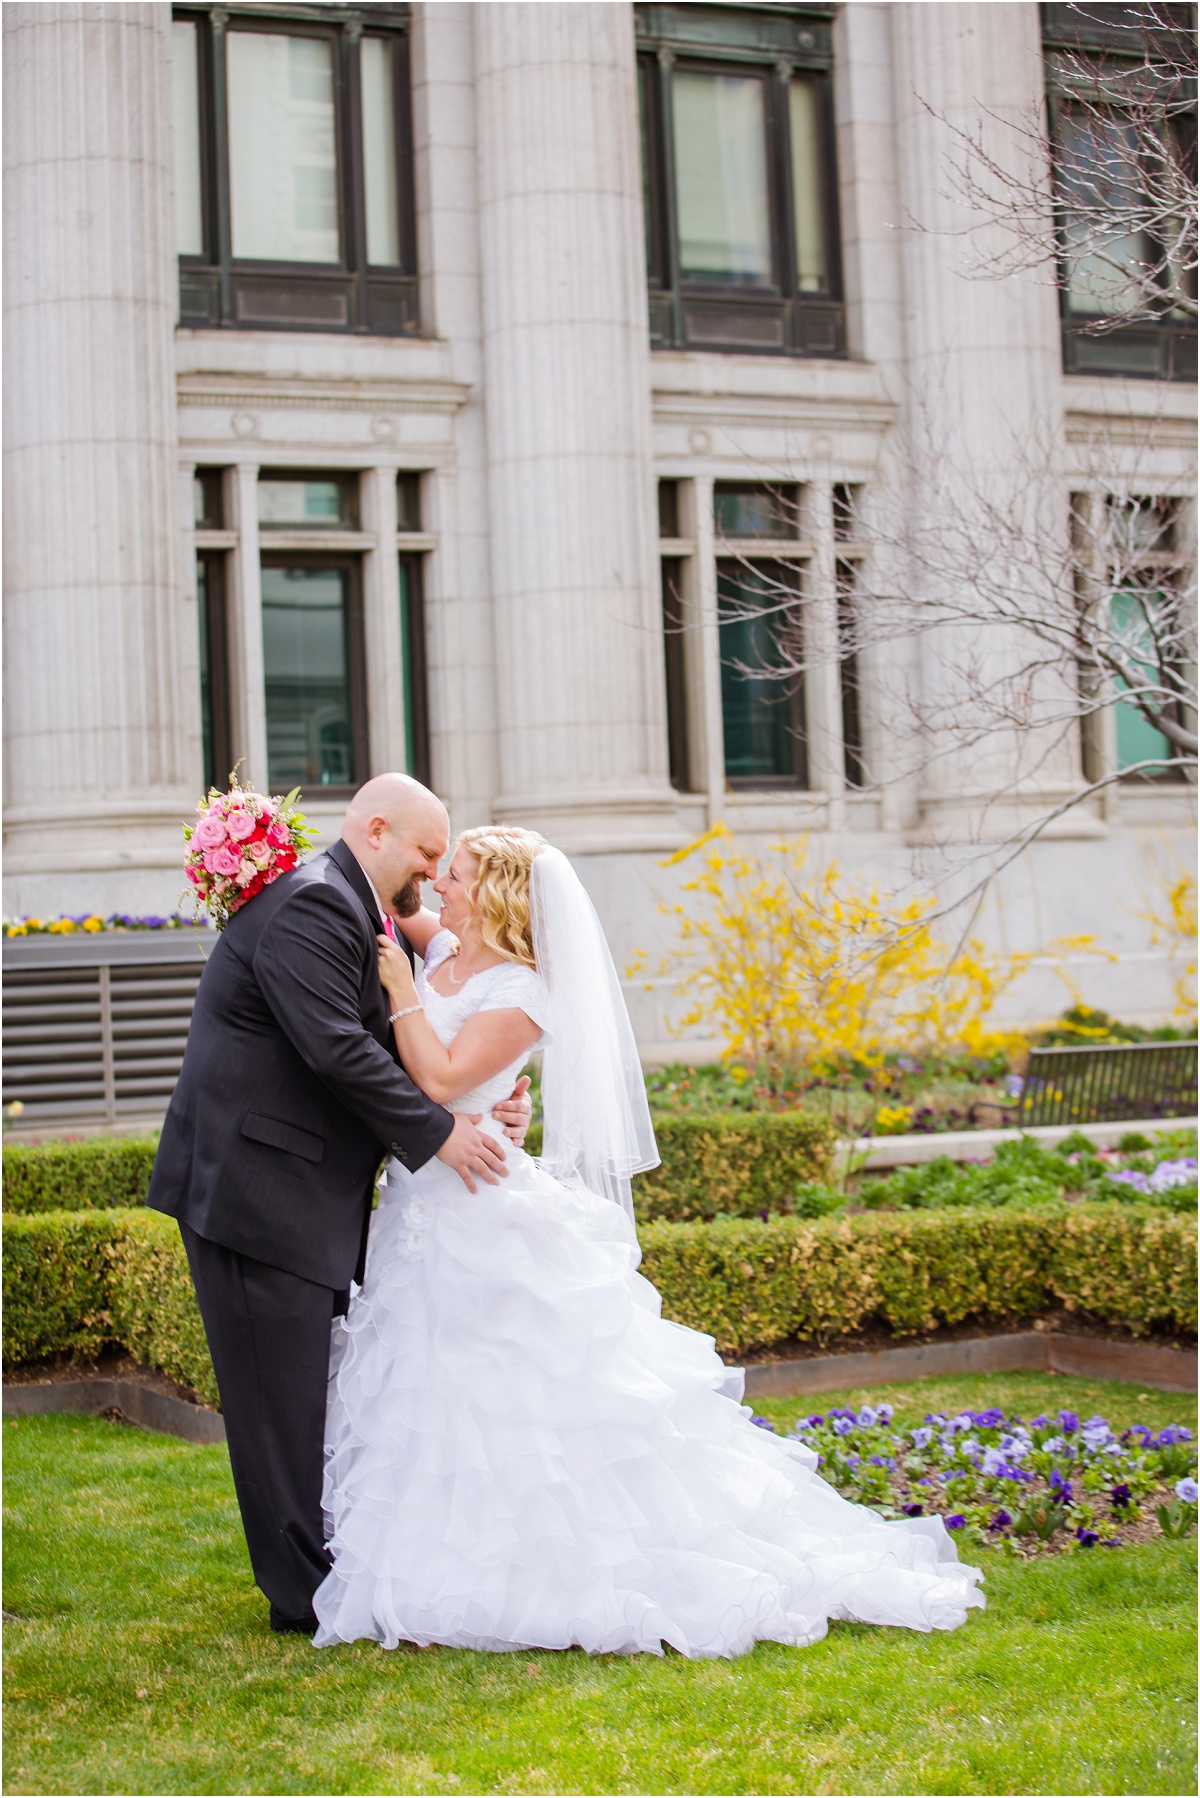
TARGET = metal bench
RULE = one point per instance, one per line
(1105, 1082)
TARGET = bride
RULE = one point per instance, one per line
(520, 1452)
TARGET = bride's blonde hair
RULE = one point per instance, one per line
(500, 891)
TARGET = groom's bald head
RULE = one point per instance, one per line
(398, 832)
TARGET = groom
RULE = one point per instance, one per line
(290, 1095)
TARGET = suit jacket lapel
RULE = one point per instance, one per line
(347, 864)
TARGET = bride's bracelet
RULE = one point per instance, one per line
(407, 1012)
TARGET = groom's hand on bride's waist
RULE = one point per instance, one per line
(473, 1155)
(515, 1113)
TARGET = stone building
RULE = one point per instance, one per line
(406, 387)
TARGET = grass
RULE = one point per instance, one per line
(141, 1661)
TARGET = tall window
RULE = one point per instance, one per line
(1136, 633)
(847, 536)
(293, 168)
(761, 634)
(737, 165)
(215, 721)
(1148, 631)
(412, 629)
(1122, 98)
(314, 662)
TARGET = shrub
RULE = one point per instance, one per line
(735, 1164)
(738, 1164)
(754, 1284)
(152, 1302)
(76, 1281)
(78, 1176)
(57, 1278)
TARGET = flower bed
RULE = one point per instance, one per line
(89, 924)
(1053, 1485)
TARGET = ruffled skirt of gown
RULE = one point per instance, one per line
(521, 1453)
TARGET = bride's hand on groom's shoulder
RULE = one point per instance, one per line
(516, 1112)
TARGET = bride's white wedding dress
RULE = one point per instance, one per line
(521, 1453)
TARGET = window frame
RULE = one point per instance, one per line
(793, 43)
(217, 745)
(1153, 349)
(356, 660)
(218, 290)
(799, 724)
(415, 651)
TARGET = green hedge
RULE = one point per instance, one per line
(737, 1165)
(75, 1281)
(78, 1176)
(754, 1284)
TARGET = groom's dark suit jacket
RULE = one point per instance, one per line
(291, 1091)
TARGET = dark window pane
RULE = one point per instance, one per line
(854, 767)
(676, 671)
(408, 502)
(762, 706)
(310, 735)
(283, 173)
(412, 641)
(668, 508)
(846, 522)
(721, 179)
(748, 509)
(207, 493)
(214, 669)
(314, 502)
(206, 730)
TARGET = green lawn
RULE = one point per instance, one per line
(140, 1661)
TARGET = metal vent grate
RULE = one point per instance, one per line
(95, 1043)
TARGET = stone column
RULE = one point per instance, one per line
(580, 680)
(100, 688)
(983, 402)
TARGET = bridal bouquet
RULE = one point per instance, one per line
(240, 843)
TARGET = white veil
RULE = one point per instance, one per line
(597, 1131)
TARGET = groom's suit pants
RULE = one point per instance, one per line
(268, 1333)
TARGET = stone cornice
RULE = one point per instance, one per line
(289, 394)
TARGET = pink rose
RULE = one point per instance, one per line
(240, 826)
(246, 872)
(209, 833)
(223, 860)
(259, 853)
(277, 836)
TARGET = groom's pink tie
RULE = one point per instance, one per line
(389, 929)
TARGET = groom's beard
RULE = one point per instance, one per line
(407, 901)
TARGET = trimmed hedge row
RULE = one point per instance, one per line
(738, 1165)
(754, 1284)
(78, 1280)
(78, 1176)
(75, 1281)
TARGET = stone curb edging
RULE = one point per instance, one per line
(1047, 1351)
(138, 1404)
